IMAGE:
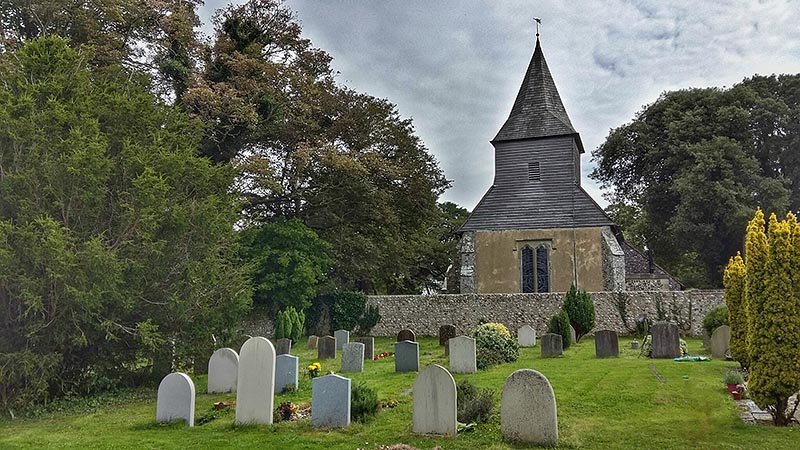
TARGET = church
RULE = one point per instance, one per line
(536, 229)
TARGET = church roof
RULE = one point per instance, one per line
(538, 111)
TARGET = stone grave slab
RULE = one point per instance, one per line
(369, 346)
(312, 342)
(720, 341)
(286, 373)
(223, 370)
(326, 347)
(342, 337)
(353, 357)
(406, 356)
(572, 335)
(528, 409)
(283, 346)
(462, 355)
(606, 343)
(446, 332)
(330, 401)
(434, 397)
(175, 399)
(666, 340)
(552, 345)
(256, 382)
(526, 336)
(406, 335)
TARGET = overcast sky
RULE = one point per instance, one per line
(455, 66)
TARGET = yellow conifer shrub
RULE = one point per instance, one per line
(733, 281)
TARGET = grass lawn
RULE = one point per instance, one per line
(602, 404)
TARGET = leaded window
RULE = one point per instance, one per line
(535, 268)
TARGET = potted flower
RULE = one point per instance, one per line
(733, 378)
(737, 394)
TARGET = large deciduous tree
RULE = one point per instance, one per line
(686, 172)
(115, 237)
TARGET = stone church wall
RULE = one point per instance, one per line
(425, 313)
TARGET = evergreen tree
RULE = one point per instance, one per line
(755, 275)
(580, 309)
(733, 280)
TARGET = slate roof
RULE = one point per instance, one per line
(538, 110)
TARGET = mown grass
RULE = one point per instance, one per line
(602, 404)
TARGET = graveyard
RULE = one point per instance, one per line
(602, 403)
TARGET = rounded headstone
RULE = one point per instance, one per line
(223, 371)
(434, 398)
(528, 409)
(463, 355)
(406, 335)
(606, 343)
(175, 399)
(526, 336)
(720, 341)
(256, 383)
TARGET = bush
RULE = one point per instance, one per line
(346, 309)
(580, 310)
(494, 345)
(474, 405)
(368, 320)
(24, 378)
(559, 324)
(733, 377)
(715, 318)
(289, 324)
(363, 402)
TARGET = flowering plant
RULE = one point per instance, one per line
(287, 410)
(314, 369)
(383, 355)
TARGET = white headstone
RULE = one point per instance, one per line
(175, 399)
(573, 337)
(434, 397)
(462, 355)
(342, 337)
(286, 369)
(526, 336)
(528, 409)
(353, 357)
(254, 394)
(330, 401)
(223, 371)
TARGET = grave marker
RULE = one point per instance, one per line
(283, 346)
(666, 340)
(342, 337)
(462, 355)
(526, 336)
(552, 345)
(369, 346)
(175, 399)
(528, 409)
(406, 356)
(223, 370)
(330, 401)
(434, 398)
(286, 373)
(406, 335)
(256, 382)
(720, 341)
(312, 342)
(606, 343)
(353, 357)
(326, 347)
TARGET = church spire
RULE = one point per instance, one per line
(537, 111)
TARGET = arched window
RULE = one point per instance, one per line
(535, 268)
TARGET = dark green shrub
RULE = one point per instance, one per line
(715, 318)
(363, 402)
(474, 405)
(24, 378)
(494, 345)
(368, 320)
(289, 324)
(282, 325)
(346, 309)
(559, 324)
(580, 310)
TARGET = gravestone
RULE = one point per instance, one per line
(175, 399)
(406, 356)
(526, 336)
(286, 373)
(223, 369)
(552, 345)
(528, 409)
(720, 341)
(606, 343)
(326, 347)
(572, 336)
(446, 332)
(342, 337)
(283, 346)
(462, 355)
(634, 345)
(406, 335)
(369, 346)
(330, 401)
(256, 382)
(666, 340)
(353, 357)
(434, 402)
(312, 342)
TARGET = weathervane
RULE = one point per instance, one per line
(538, 22)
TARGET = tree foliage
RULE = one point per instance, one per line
(734, 282)
(686, 173)
(114, 237)
(559, 324)
(580, 309)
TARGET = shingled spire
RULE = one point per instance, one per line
(538, 111)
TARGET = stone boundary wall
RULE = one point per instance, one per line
(426, 313)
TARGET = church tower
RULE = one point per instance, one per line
(536, 229)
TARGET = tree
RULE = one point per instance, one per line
(580, 309)
(289, 262)
(734, 280)
(688, 170)
(559, 324)
(114, 237)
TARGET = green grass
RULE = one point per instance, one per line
(602, 404)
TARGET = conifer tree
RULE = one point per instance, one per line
(733, 280)
(755, 263)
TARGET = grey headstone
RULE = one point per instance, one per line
(369, 347)
(312, 342)
(666, 340)
(342, 337)
(573, 337)
(446, 332)
(434, 398)
(406, 356)
(606, 343)
(283, 346)
(330, 401)
(175, 399)
(326, 347)
(223, 370)
(353, 357)
(528, 409)
(706, 339)
(552, 345)
(635, 345)
(526, 336)
(462, 355)
(720, 341)
(406, 335)
(254, 388)
(286, 372)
